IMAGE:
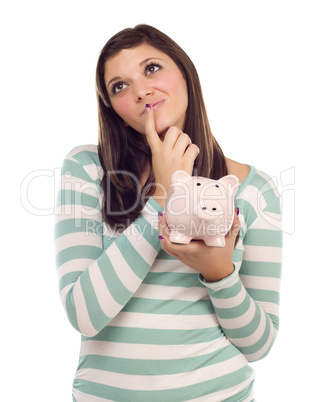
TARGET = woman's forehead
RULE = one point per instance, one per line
(137, 52)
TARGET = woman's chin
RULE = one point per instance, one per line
(161, 133)
(162, 129)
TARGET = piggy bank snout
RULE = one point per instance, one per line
(210, 209)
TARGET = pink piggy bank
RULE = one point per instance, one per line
(200, 208)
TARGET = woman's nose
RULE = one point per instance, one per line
(142, 90)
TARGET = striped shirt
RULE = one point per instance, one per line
(151, 328)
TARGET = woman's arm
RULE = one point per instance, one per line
(246, 298)
(247, 302)
(95, 284)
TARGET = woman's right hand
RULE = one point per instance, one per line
(175, 152)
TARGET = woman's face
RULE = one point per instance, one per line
(140, 75)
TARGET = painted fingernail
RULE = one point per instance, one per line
(160, 215)
(237, 211)
(161, 237)
(148, 106)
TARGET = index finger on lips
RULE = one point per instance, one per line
(149, 127)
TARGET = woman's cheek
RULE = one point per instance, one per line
(171, 83)
(122, 108)
(129, 114)
(166, 83)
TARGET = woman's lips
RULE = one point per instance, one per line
(156, 105)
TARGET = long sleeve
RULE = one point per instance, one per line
(97, 276)
(247, 302)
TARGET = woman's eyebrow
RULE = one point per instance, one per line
(140, 65)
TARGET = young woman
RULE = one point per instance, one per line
(161, 321)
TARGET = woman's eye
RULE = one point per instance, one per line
(119, 86)
(152, 68)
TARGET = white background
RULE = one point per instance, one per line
(256, 65)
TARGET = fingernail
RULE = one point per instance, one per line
(148, 106)
(237, 211)
(160, 215)
(161, 237)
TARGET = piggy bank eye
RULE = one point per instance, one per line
(217, 185)
(214, 209)
(198, 184)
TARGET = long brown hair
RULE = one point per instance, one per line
(123, 151)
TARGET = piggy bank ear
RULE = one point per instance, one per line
(180, 176)
(231, 181)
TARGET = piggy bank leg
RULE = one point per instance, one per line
(215, 241)
(178, 238)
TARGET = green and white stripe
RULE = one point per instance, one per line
(151, 328)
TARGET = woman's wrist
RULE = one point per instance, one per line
(224, 272)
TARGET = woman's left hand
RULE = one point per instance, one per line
(214, 263)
